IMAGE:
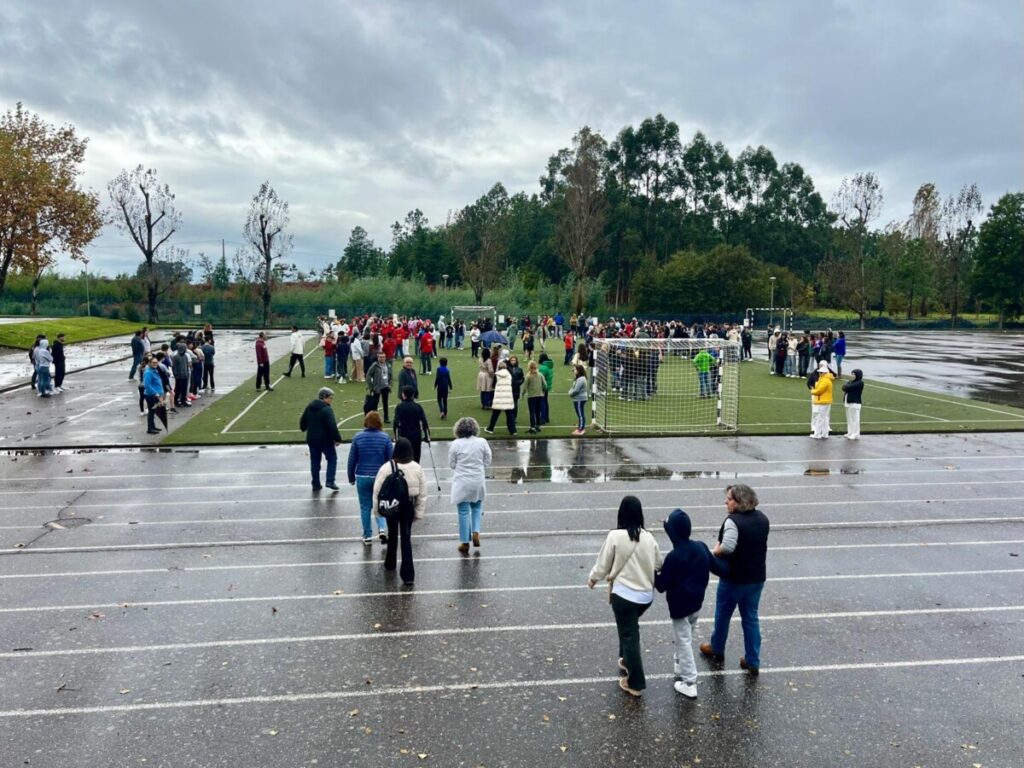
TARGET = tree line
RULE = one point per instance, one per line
(661, 225)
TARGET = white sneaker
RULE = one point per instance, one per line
(689, 690)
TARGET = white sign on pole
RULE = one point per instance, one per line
(197, 309)
(501, 319)
(331, 313)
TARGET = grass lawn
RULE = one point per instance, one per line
(22, 335)
(768, 405)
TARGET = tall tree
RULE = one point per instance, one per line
(915, 271)
(959, 215)
(361, 258)
(43, 210)
(144, 208)
(999, 261)
(582, 207)
(478, 235)
(264, 230)
(858, 202)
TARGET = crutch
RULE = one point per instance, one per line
(430, 451)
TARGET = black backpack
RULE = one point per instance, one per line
(393, 500)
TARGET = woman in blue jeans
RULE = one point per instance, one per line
(371, 449)
(739, 562)
(469, 455)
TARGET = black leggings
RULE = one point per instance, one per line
(208, 377)
(442, 402)
(142, 399)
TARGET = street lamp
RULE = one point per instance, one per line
(771, 306)
(88, 308)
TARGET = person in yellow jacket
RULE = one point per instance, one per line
(821, 402)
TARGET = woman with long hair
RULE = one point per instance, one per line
(417, 485)
(628, 560)
(485, 379)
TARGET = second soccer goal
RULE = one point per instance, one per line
(672, 386)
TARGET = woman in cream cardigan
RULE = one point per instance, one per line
(628, 560)
(504, 400)
(417, 484)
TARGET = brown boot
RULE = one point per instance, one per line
(755, 671)
(464, 549)
(707, 650)
(476, 539)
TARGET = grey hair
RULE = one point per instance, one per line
(466, 427)
(324, 393)
(744, 497)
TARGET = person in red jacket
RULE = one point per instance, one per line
(330, 347)
(389, 345)
(426, 351)
(570, 347)
(262, 362)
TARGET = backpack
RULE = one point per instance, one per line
(394, 501)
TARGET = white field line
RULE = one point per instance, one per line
(850, 474)
(527, 494)
(860, 523)
(936, 399)
(95, 408)
(501, 685)
(147, 604)
(495, 535)
(702, 464)
(259, 397)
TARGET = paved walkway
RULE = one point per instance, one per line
(100, 406)
(200, 607)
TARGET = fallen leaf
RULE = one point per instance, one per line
(546, 719)
(353, 712)
(421, 755)
(273, 609)
(338, 592)
(564, 748)
(269, 732)
(563, 698)
(377, 626)
(611, 717)
(367, 730)
(123, 691)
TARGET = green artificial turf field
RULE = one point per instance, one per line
(23, 335)
(768, 405)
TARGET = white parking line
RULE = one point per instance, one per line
(704, 465)
(259, 397)
(860, 523)
(146, 604)
(761, 487)
(501, 685)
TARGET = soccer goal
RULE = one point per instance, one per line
(665, 385)
(471, 314)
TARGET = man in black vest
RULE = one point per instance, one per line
(739, 562)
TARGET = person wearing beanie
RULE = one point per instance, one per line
(684, 578)
(627, 561)
(852, 392)
(821, 402)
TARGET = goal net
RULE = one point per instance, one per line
(665, 385)
(474, 314)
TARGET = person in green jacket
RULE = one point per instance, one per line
(702, 362)
(547, 370)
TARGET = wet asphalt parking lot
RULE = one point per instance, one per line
(200, 607)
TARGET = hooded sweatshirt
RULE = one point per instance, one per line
(41, 356)
(684, 575)
(854, 389)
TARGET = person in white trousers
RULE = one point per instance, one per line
(821, 402)
(852, 391)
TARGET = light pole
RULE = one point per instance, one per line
(771, 306)
(445, 292)
(88, 308)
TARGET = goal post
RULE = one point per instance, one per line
(470, 314)
(673, 386)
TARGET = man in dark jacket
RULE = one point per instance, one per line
(58, 363)
(411, 422)
(322, 436)
(739, 562)
(684, 576)
(262, 362)
(181, 367)
(138, 350)
(378, 386)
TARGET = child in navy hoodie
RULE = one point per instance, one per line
(443, 383)
(684, 576)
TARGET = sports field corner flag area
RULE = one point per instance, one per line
(768, 405)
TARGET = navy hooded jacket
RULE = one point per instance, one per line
(684, 574)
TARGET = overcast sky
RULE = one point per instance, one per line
(358, 112)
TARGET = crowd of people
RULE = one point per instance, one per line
(174, 376)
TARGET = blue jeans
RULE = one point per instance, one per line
(364, 490)
(329, 366)
(746, 597)
(328, 452)
(704, 382)
(43, 379)
(470, 513)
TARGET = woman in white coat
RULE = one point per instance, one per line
(469, 455)
(503, 400)
(417, 484)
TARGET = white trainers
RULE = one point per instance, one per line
(689, 690)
